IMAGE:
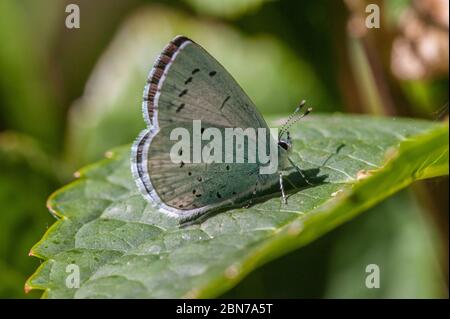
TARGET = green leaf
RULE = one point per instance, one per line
(397, 235)
(124, 248)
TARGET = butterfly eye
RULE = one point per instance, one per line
(284, 145)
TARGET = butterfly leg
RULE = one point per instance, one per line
(248, 204)
(282, 189)
(300, 172)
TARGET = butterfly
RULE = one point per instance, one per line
(187, 84)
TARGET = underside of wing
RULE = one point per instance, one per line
(187, 187)
(187, 83)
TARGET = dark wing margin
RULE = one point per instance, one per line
(157, 76)
(137, 161)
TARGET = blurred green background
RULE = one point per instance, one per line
(68, 95)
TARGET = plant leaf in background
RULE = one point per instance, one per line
(124, 248)
(228, 9)
(26, 179)
(394, 235)
(26, 88)
(109, 112)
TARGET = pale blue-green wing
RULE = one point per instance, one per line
(187, 186)
(187, 84)
(187, 189)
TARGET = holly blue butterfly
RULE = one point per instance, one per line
(187, 84)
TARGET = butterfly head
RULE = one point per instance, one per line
(285, 142)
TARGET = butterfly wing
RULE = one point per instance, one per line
(186, 84)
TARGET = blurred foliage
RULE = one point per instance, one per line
(26, 180)
(394, 235)
(227, 9)
(66, 96)
(27, 99)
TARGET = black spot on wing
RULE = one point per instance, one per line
(224, 101)
(182, 93)
(212, 73)
(179, 108)
(195, 71)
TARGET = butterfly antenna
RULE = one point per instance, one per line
(286, 123)
(295, 120)
(298, 118)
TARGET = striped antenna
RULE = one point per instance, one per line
(294, 118)
(299, 107)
